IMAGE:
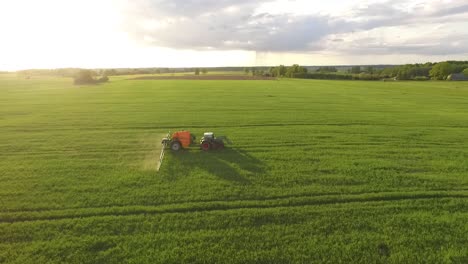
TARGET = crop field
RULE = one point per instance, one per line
(317, 172)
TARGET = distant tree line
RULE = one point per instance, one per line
(419, 72)
(426, 71)
(293, 71)
(434, 71)
(327, 69)
(323, 73)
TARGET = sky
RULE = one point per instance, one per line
(211, 33)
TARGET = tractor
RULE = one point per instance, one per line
(209, 142)
(184, 139)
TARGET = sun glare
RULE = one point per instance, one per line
(51, 33)
(56, 34)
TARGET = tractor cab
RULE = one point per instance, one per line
(209, 142)
(208, 135)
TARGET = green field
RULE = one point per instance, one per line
(318, 172)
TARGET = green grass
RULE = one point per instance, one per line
(319, 172)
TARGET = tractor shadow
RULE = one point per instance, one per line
(233, 165)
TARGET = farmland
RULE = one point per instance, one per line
(318, 172)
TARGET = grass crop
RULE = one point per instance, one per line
(318, 172)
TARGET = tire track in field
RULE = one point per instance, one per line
(258, 199)
(50, 215)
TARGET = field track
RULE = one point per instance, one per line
(204, 206)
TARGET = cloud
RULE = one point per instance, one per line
(221, 25)
(449, 9)
(237, 25)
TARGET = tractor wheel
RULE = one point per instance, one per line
(176, 146)
(205, 145)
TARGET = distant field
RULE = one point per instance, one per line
(209, 73)
(319, 172)
(213, 77)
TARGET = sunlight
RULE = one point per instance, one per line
(69, 34)
(88, 34)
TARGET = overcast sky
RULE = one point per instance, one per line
(185, 33)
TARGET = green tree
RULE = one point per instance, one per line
(246, 70)
(441, 70)
(281, 71)
(294, 70)
(466, 72)
(204, 71)
(273, 71)
(197, 71)
(403, 72)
